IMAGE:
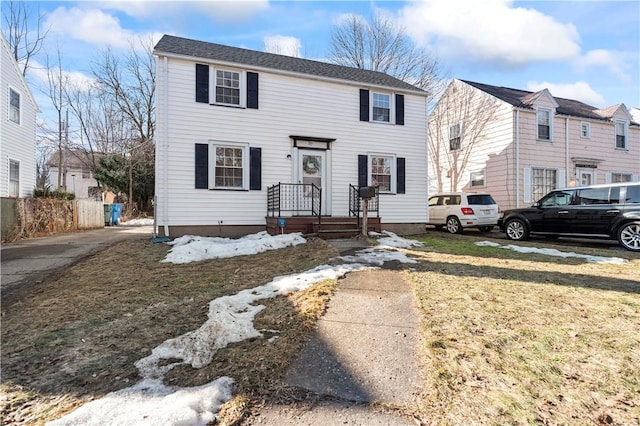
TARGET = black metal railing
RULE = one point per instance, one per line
(356, 203)
(294, 199)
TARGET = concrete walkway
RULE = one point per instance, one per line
(29, 260)
(361, 358)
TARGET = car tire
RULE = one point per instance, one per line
(453, 225)
(516, 229)
(629, 236)
(485, 228)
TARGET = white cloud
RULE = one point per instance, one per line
(490, 30)
(92, 26)
(580, 91)
(610, 60)
(282, 45)
(219, 11)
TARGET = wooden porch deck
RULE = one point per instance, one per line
(330, 226)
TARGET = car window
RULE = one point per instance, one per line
(593, 196)
(560, 198)
(633, 194)
(435, 201)
(480, 200)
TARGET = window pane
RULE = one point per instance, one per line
(14, 103)
(228, 170)
(381, 107)
(543, 181)
(228, 87)
(14, 178)
(381, 172)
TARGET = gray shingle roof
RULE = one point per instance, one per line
(253, 58)
(515, 97)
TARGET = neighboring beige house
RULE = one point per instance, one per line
(17, 129)
(77, 166)
(519, 145)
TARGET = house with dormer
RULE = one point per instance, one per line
(248, 141)
(518, 145)
(17, 128)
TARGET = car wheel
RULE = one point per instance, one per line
(486, 228)
(516, 229)
(629, 236)
(453, 225)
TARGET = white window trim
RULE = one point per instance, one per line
(459, 123)
(588, 127)
(550, 111)
(626, 134)
(11, 89)
(213, 144)
(19, 163)
(484, 178)
(243, 86)
(394, 173)
(392, 107)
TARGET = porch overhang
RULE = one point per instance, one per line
(312, 142)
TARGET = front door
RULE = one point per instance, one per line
(585, 176)
(312, 169)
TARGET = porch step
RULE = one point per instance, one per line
(329, 228)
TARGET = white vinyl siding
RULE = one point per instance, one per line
(289, 105)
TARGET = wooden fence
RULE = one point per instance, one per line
(32, 217)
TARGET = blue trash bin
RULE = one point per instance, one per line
(116, 212)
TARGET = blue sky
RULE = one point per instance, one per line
(584, 50)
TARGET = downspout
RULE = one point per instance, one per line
(566, 152)
(517, 140)
(165, 144)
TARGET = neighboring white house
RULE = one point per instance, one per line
(234, 123)
(529, 143)
(77, 165)
(17, 130)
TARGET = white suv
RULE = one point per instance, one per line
(459, 210)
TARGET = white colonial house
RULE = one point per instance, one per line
(245, 138)
(518, 145)
(17, 130)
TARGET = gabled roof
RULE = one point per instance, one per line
(518, 98)
(14, 64)
(261, 60)
(75, 158)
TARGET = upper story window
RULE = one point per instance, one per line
(14, 106)
(585, 130)
(544, 124)
(217, 86)
(227, 87)
(621, 134)
(381, 107)
(455, 137)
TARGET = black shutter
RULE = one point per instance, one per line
(255, 169)
(400, 175)
(252, 90)
(364, 105)
(362, 170)
(202, 83)
(202, 166)
(400, 110)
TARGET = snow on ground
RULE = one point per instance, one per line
(137, 222)
(393, 240)
(191, 248)
(554, 252)
(230, 319)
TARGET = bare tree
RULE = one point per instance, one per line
(57, 80)
(24, 41)
(456, 126)
(380, 45)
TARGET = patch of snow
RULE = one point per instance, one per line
(554, 252)
(192, 248)
(137, 222)
(390, 239)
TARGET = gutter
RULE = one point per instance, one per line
(517, 153)
(165, 144)
(566, 152)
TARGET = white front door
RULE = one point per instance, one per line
(312, 169)
(585, 176)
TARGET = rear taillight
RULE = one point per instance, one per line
(467, 211)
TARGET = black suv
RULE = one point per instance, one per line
(597, 211)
